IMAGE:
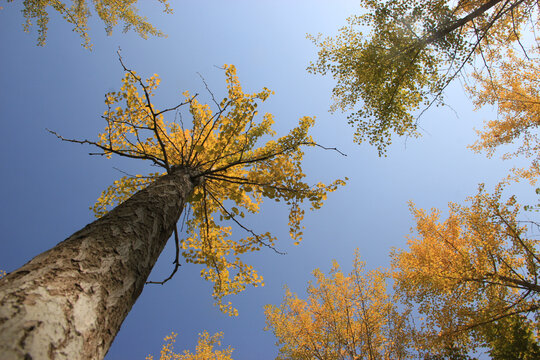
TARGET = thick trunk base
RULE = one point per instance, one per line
(69, 302)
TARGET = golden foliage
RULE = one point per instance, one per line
(513, 87)
(470, 270)
(344, 317)
(111, 12)
(203, 351)
(471, 280)
(233, 160)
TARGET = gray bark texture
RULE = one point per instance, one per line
(69, 302)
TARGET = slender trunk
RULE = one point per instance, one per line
(69, 302)
(439, 34)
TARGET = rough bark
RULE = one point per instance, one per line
(69, 302)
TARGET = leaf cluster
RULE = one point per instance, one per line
(111, 12)
(512, 86)
(205, 349)
(514, 337)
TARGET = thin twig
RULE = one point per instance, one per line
(257, 237)
(176, 261)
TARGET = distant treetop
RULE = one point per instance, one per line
(398, 56)
(36, 12)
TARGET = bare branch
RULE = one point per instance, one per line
(107, 151)
(151, 109)
(176, 261)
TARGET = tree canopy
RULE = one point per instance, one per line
(477, 267)
(511, 86)
(398, 56)
(111, 12)
(344, 317)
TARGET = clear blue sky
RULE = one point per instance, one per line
(48, 186)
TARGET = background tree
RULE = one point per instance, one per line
(472, 280)
(511, 86)
(513, 337)
(111, 12)
(70, 301)
(471, 275)
(203, 351)
(344, 317)
(411, 52)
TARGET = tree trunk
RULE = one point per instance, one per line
(69, 302)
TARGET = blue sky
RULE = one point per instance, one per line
(48, 186)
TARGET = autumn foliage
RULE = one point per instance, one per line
(222, 150)
(467, 272)
(111, 12)
(461, 284)
(344, 317)
(205, 349)
(513, 88)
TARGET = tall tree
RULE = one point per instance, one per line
(344, 317)
(477, 268)
(111, 12)
(400, 55)
(69, 302)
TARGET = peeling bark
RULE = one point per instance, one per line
(69, 302)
